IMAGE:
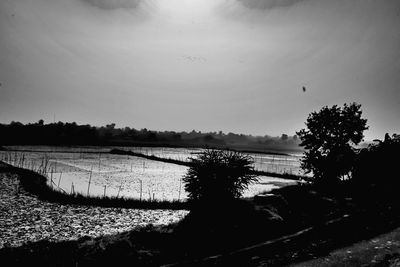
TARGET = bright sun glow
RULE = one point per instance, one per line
(187, 8)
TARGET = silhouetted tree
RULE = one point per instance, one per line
(218, 176)
(329, 141)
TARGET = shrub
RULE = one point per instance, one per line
(218, 176)
(377, 164)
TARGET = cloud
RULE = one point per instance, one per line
(268, 4)
(232, 65)
(113, 4)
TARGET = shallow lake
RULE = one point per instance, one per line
(71, 168)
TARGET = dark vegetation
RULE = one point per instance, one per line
(63, 134)
(353, 195)
(375, 166)
(218, 177)
(329, 141)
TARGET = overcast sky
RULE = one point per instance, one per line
(209, 65)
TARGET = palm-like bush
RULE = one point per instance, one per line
(217, 175)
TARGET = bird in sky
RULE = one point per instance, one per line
(304, 89)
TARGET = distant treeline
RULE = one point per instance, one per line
(60, 133)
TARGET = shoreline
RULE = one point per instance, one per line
(36, 184)
(188, 164)
(108, 146)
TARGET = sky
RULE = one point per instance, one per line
(232, 65)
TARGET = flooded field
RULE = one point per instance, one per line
(92, 171)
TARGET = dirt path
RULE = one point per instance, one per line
(382, 250)
(24, 218)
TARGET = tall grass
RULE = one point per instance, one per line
(90, 180)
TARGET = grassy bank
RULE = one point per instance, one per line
(189, 164)
(36, 184)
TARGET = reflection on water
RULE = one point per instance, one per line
(71, 169)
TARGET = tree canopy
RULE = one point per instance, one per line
(329, 141)
(71, 133)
